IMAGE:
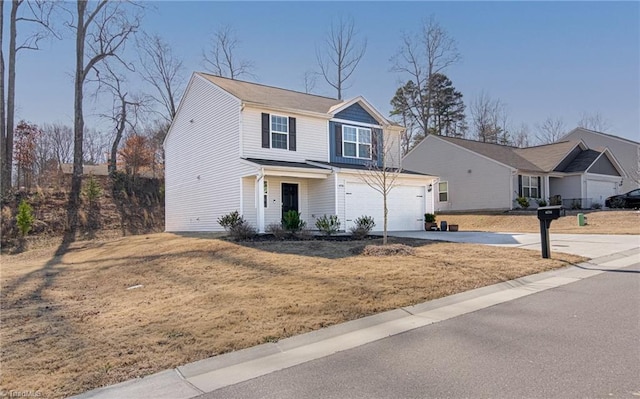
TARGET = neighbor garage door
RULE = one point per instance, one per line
(405, 205)
(599, 190)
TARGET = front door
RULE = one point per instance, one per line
(289, 197)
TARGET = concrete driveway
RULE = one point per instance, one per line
(589, 245)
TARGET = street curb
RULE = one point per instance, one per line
(206, 375)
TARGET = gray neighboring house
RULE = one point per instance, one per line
(484, 176)
(626, 151)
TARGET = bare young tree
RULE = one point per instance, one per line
(521, 136)
(221, 56)
(487, 117)
(382, 173)
(594, 121)
(163, 71)
(101, 31)
(96, 146)
(420, 57)
(36, 17)
(341, 54)
(60, 140)
(550, 131)
(310, 80)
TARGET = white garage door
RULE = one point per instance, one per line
(405, 205)
(598, 190)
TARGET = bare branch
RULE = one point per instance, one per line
(340, 54)
(220, 58)
(550, 131)
(594, 121)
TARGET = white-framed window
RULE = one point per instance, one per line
(356, 142)
(530, 188)
(443, 191)
(279, 132)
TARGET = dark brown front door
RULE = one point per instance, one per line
(289, 197)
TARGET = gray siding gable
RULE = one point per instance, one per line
(603, 166)
(357, 114)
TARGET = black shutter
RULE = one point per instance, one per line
(292, 134)
(374, 144)
(266, 129)
(539, 187)
(338, 139)
(519, 185)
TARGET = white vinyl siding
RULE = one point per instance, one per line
(197, 172)
(311, 138)
(249, 211)
(322, 198)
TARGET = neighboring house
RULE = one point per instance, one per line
(263, 150)
(483, 176)
(626, 151)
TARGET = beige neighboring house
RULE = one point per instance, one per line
(626, 151)
(263, 150)
(484, 176)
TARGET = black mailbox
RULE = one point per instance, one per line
(545, 215)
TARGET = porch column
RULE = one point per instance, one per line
(260, 202)
(547, 188)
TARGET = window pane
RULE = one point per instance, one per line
(526, 192)
(443, 186)
(534, 181)
(534, 192)
(279, 140)
(365, 151)
(279, 124)
(349, 133)
(364, 136)
(443, 197)
(349, 149)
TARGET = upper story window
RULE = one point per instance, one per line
(279, 132)
(356, 142)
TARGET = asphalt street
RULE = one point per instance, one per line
(577, 340)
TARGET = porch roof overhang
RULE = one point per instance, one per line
(359, 169)
(267, 167)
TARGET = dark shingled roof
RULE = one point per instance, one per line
(582, 162)
(365, 167)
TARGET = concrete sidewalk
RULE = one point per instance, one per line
(210, 374)
(589, 245)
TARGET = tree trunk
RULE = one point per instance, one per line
(78, 123)
(11, 94)
(3, 126)
(119, 132)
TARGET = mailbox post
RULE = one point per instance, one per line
(545, 215)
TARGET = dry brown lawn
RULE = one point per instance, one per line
(71, 323)
(598, 222)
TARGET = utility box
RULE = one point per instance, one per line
(582, 219)
(545, 215)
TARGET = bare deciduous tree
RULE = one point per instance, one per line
(37, 14)
(550, 131)
(164, 72)
(310, 80)
(59, 138)
(341, 54)
(95, 146)
(488, 117)
(594, 121)
(382, 174)
(221, 58)
(421, 56)
(521, 136)
(101, 31)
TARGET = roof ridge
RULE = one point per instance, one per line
(268, 86)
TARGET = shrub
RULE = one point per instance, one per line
(328, 225)
(242, 231)
(277, 230)
(363, 226)
(230, 220)
(541, 202)
(292, 222)
(523, 202)
(92, 190)
(24, 218)
(429, 218)
(596, 205)
(303, 234)
(576, 204)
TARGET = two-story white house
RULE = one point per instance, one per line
(263, 150)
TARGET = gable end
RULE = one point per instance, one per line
(357, 114)
(603, 166)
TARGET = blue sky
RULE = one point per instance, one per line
(541, 59)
